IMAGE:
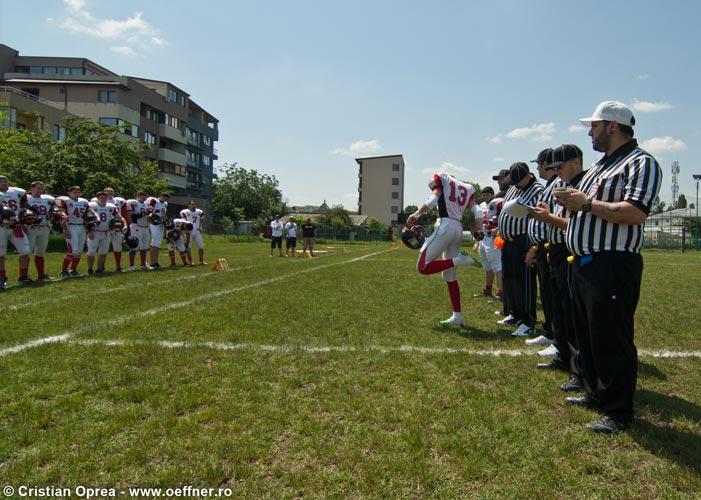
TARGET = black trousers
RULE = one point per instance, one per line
(519, 280)
(562, 308)
(546, 295)
(606, 292)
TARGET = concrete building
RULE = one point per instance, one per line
(180, 135)
(381, 187)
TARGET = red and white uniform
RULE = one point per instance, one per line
(445, 240)
(195, 218)
(116, 236)
(490, 256)
(161, 208)
(138, 229)
(179, 245)
(100, 243)
(75, 225)
(14, 198)
(39, 234)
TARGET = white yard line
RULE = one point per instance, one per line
(119, 320)
(227, 346)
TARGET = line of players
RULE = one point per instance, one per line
(140, 224)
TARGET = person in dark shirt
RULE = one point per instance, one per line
(308, 235)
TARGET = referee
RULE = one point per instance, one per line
(518, 278)
(605, 232)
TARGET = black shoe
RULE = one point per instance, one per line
(3, 283)
(173, 264)
(25, 280)
(90, 271)
(99, 270)
(609, 425)
(65, 274)
(118, 270)
(585, 401)
(45, 277)
(573, 384)
(156, 265)
(74, 273)
(555, 364)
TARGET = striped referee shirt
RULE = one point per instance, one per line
(629, 174)
(537, 230)
(555, 234)
(514, 226)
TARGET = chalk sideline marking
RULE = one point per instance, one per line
(174, 305)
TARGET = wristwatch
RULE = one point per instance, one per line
(586, 206)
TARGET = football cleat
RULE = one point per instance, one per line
(453, 321)
(413, 236)
(3, 283)
(463, 259)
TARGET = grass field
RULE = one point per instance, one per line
(328, 377)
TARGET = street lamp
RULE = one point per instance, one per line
(697, 178)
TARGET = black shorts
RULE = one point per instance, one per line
(276, 242)
(291, 242)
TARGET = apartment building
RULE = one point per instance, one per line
(381, 187)
(154, 112)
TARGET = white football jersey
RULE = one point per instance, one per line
(179, 223)
(116, 201)
(137, 207)
(457, 196)
(42, 206)
(75, 209)
(104, 215)
(193, 216)
(13, 198)
(159, 207)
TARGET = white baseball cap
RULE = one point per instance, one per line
(611, 111)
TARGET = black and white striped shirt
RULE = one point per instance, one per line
(537, 230)
(629, 174)
(512, 226)
(555, 234)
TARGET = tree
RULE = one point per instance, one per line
(377, 227)
(241, 193)
(692, 207)
(657, 205)
(91, 156)
(681, 201)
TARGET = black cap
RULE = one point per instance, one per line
(564, 153)
(543, 156)
(518, 172)
(502, 173)
(487, 190)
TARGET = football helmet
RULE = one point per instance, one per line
(131, 241)
(155, 219)
(169, 224)
(29, 217)
(173, 235)
(413, 236)
(57, 215)
(187, 226)
(6, 213)
(115, 224)
(90, 220)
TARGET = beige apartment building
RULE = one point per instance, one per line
(37, 92)
(381, 187)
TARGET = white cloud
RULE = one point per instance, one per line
(494, 140)
(358, 148)
(662, 144)
(134, 30)
(644, 77)
(498, 159)
(649, 106)
(575, 128)
(448, 168)
(537, 133)
(124, 50)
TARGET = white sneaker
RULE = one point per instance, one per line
(453, 321)
(146, 267)
(551, 351)
(131, 268)
(509, 320)
(523, 330)
(539, 340)
(497, 313)
(463, 259)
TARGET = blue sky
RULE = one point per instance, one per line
(301, 88)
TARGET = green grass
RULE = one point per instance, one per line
(343, 423)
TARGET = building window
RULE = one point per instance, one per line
(174, 96)
(74, 71)
(206, 160)
(49, 70)
(152, 115)
(31, 91)
(395, 210)
(172, 121)
(67, 71)
(21, 69)
(395, 196)
(36, 69)
(8, 117)
(107, 95)
(59, 133)
(149, 138)
(110, 122)
(395, 167)
(395, 181)
(207, 141)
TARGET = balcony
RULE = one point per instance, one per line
(171, 156)
(171, 133)
(174, 180)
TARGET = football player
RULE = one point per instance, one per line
(175, 236)
(137, 212)
(116, 236)
(38, 234)
(12, 200)
(490, 256)
(159, 209)
(100, 241)
(452, 197)
(194, 215)
(74, 226)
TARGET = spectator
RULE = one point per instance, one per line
(308, 235)
(276, 234)
(291, 241)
